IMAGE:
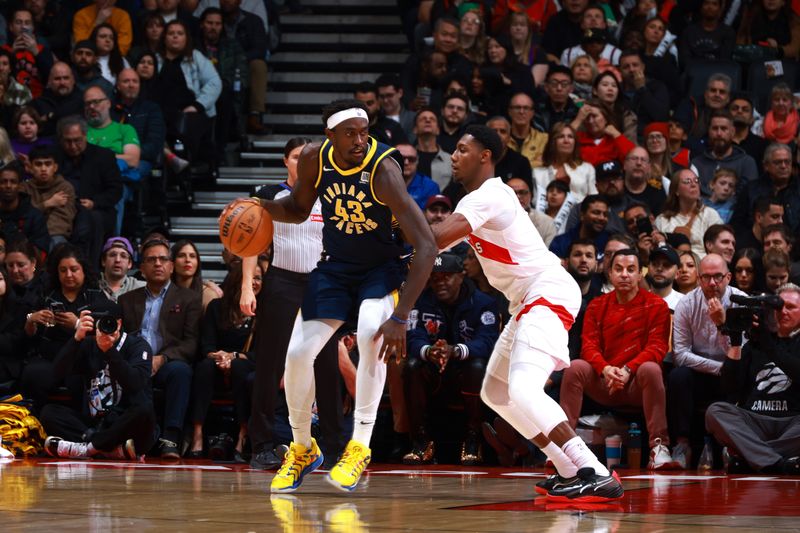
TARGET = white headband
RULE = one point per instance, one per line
(340, 116)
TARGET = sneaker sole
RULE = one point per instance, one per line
(341, 487)
(590, 499)
(307, 470)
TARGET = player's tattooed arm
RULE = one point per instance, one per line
(295, 207)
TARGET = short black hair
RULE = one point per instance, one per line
(446, 20)
(626, 252)
(591, 199)
(43, 151)
(585, 241)
(386, 80)
(637, 203)
(557, 184)
(558, 69)
(764, 202)
(340, 105)
(457, 95)
(631, 52)
(210, 11)
(366, 87)
(13, 166)
(488, 138)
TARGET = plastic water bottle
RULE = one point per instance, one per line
(634, 446)
(237, 81)
(707, 457)
(179, 147)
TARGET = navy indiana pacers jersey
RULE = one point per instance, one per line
(358, 228)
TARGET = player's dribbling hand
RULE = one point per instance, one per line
(394, 340)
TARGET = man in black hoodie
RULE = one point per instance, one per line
(118, 418)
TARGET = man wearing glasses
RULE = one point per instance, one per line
(777, 182)
(168, 318)
(555, 105)
(94, 173)
(699, 349)
(419, 186)
(522, 138)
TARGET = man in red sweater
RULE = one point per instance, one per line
(625, 338)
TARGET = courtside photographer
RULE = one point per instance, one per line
(117, 419)
(762, 428)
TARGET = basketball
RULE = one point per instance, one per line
(245, 228)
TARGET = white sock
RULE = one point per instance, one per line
(582, 457)
(371, 373)
(564, 466)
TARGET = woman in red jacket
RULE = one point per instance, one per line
(598, 139)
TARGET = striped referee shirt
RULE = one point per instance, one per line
(297, 247)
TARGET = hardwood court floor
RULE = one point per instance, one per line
(99, 496)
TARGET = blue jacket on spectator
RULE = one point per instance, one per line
(421, 188)
(203, 80)
(472, 322)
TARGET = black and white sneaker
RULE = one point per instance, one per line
(587, 487)
(544, 486)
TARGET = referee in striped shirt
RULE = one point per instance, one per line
(296, 249)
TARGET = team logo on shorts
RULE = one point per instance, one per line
(488, 318)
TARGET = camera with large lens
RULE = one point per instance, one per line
(104, 322)
(739, 320)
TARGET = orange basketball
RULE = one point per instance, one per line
(245, 228)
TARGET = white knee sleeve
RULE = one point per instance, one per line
(526, 389)
(494, 393)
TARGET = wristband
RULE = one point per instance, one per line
(398, 320)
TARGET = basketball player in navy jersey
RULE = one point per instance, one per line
(364, 199)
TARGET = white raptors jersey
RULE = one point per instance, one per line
(512, 254)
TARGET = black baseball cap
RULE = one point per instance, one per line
(667, 252)
(607, 169)
(448, 262)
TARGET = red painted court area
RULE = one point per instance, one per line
(664, 494)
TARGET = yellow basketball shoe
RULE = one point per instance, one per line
(347, 472)
(298, 462)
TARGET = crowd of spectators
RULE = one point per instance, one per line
(661, 204)
(155, 84)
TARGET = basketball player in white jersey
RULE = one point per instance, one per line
(543, 302)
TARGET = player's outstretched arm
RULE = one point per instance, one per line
(390, 188)
(451, 231)
(296, 207)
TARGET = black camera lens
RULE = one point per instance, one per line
(106, 325)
